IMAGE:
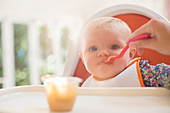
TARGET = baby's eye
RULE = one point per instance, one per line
(93, 49)
(114, 47)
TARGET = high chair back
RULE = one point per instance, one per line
(135, 17)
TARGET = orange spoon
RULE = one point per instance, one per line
(112, 58)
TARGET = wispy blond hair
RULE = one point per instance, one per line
(104, 23)
(107, 23)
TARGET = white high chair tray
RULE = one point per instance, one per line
(32, 99)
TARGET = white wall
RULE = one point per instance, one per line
(68, 9)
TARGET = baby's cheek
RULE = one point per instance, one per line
(116, 52)
(89, 64)
(122, 63)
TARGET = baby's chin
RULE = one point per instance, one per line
(107, 73)
(105, 76)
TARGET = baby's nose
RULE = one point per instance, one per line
(103, 53)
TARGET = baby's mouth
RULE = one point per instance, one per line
(101, 63)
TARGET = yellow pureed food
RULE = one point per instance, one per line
(47, 76)
(61, 95)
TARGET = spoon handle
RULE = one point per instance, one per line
(139, 37)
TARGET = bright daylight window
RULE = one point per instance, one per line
(53, 45)
(21, 54)
(1, 71)
(48, 58)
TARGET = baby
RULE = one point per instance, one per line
(107, 36)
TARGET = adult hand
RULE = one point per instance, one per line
(159, 31)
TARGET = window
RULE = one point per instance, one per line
(21, 54)
(54, 45)
(33, 49)
(1, 70)
(46, 54)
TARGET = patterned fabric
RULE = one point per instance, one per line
(155, 76)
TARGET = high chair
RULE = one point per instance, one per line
(135, 16)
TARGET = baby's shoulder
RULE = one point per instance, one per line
(145, 64)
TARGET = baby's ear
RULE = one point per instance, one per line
(81, 57)
(132, 53)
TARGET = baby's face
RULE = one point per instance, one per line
(101, 44)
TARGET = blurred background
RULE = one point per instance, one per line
(35, 35)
